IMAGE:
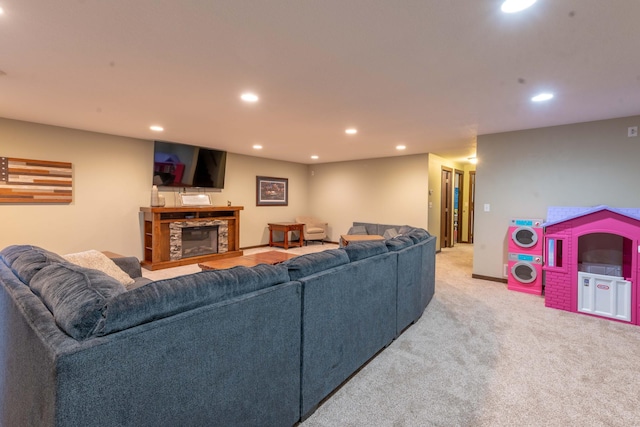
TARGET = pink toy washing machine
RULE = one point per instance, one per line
(525, 273)
(526, 236)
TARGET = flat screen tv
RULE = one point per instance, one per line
(182, 165)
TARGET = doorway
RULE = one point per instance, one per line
(458, 195)
(472, 198)
(446, 208)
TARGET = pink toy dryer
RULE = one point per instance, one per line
(525, 273)
(526, 236)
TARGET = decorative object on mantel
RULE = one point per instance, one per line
(157, 200)
(272, 191)
(195, 199)
(35, 181)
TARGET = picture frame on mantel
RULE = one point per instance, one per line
(272, 191)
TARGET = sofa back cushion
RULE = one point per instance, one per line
(75, 295)
(164, 298)
(418, 234)
(306, 265)
(398, 243)
(27, 260)
(361, 250)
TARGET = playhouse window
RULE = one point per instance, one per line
(554, 252)
(605, 253)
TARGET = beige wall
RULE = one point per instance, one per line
(521, 174)
(110, 183)
(240, 189)
(112, 180)
(392, 190)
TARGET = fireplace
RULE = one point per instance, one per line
(197, 238)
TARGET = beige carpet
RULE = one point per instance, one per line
(482, 355)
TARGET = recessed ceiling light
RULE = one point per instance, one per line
(156, 128)
(257, 147)
(401, 147)
(351, 131)
(513, 6)
(1, 11)
(314, 157)
(473, 160)
(542, 97)
(249, 97)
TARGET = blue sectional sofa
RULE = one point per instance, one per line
(259, 346)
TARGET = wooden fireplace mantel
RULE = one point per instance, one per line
(156, 233)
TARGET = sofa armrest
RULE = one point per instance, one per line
(130, 265)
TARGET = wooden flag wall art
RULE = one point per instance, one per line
(35, 181)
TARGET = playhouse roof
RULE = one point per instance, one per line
(558, 214)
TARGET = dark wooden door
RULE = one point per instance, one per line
(446, 208)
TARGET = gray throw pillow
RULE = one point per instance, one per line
(358, 230)
(390, 233)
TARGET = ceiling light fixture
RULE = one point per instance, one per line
(401, 147)
(156, 128)
(257, 147)
(249, 97)
(473, 160)
(351, 131)
(513, 6)
(314, 157)
(1, 11)
(542, 97)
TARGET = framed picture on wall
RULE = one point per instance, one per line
(272, 191)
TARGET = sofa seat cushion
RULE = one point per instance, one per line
(164, 298)
(398, 243)
(361, 250)
(76, 296)
(306, 265)
(99, 261)
(27, 260)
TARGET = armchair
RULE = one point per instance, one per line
(314, 229)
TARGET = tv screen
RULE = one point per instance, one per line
(182, 165)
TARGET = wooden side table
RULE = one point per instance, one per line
(286, 227)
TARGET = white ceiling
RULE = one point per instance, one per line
(430, 74)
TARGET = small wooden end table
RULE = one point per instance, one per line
(286, 227)
(349, 238)
(269, 257)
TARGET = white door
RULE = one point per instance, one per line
(606, 296)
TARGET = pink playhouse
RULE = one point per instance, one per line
(591, 261)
